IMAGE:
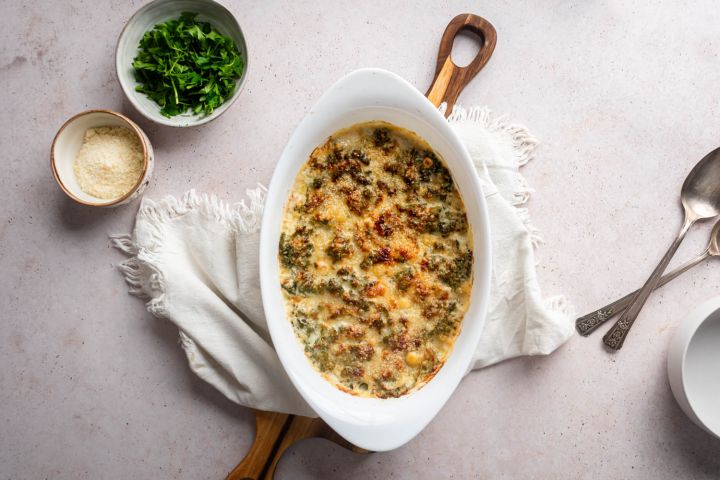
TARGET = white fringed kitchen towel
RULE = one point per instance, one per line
(196, 259)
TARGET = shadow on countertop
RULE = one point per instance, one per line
(74, 216)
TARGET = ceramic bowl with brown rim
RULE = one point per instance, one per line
(67, 143)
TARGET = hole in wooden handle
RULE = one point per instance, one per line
(466, 46)
(450, 79)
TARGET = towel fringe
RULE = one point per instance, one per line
(124, 243)
(141, 271)
(240, 216)
(524, 145)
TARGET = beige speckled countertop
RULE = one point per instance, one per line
(623, 95)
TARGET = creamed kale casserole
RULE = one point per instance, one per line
(376, 260)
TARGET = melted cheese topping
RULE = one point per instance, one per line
(376, 260)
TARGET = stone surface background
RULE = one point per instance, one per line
(623, 95)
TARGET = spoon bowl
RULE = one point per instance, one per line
(701, 191)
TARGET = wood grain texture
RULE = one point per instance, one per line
(275, 432)
(450, 79)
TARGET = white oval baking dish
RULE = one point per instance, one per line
(364, 95)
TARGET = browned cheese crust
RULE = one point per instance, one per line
(376, 260)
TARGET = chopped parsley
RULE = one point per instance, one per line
(186, 64)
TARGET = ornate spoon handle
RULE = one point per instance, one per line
(615, 337)
(587, 324)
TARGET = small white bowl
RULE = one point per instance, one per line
(66, 146)
(694, 366)
(161, 11)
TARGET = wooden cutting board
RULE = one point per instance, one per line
(275, 432)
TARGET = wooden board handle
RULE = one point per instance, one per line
(274, 433)
(449, 78)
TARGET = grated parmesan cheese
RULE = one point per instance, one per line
(109, 162)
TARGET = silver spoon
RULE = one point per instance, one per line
(589, 323)
(700, 197)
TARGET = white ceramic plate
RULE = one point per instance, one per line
(694, 366)
(364, 95)
(161, 11)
